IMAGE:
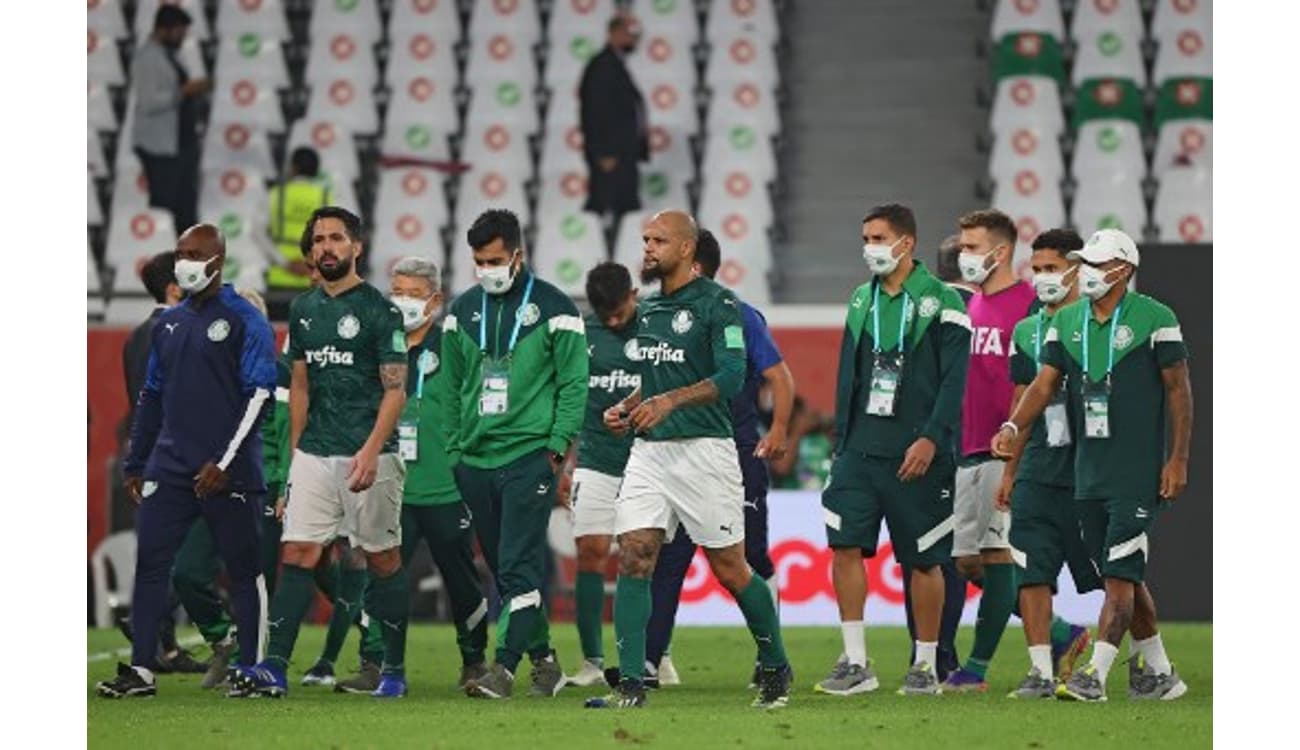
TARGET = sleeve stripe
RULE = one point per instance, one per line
(282, 395)
(566, 323)
(956, 318)
(245, 424)
(449, 323)
(1167, 335)
(1051, 336)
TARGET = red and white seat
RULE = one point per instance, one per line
(256, 58)
(1028, 102)
(133, 238)
(262, 17)
(439, 18)
(568, 246)
(738, 58)
(503, 100)
(740, 146)
(1184, 208)
(419, 97)
(562, 151)
(754, 18)
(415, 51)
(481, 189)
(1181, 142)
(332, 142)
(1025, 148)
(359, 19)
(247, 101)
(498, 147)
(235, 144)
(1187, 52)
(1109, 201)
(562, 192)
(103, 65)
(518, 18)
(498, 56)
(233, 191)
(346, 103)
(342, 55)
(671, 18)
(411, 190)
(1027, 16)
(105, 17)
(744, 104)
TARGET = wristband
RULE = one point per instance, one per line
(1015, 431)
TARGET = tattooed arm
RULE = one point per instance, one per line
(365, 464)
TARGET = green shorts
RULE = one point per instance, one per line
(1115, 534)
(1045, 535)
(861, 490)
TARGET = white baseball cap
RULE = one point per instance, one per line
(1106, 245)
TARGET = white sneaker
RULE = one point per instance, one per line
(589, 674)
(667, 672)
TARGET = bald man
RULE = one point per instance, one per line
(196, 451)
(683, 469)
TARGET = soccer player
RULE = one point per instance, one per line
(195, 450)
(1038, 479)
(897, 405)
(516, 367)
(432, 509)
(763, 364)
(683, 467)
(1124, 350)
(612, 377)
(347, 391)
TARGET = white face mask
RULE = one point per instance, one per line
(496, 279)
(972, 267)
(192, 276)
(1051, 287)
(412, 309)
(1093, 283)
(880, 258)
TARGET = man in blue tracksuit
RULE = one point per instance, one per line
(196, 450)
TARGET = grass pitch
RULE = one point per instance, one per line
(710, 709)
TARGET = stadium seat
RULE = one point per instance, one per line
(503, 101)
(481, 189)
(674, 19)
(237, 145)
(1026, 148)
(562, 193)
(94, 211)
(145, 10)
(105, 18)
(1183, 208)
(567, 56)
(498, 147)
(584, 17)
(1108, 99)
(400, 235)
(130, 188)
(96, 162)
(1184, 142)
(342, 56)
(358, 19)
(1123, 17)
(333, 143)
(460, 261)
(420, 97)
(414, 190)
(740, 146)
(1028, 54)
(662, 58)
(246, 101)
(130, 305)
(256, 58)
(742, 238)
(1172, 16)
(116, 553)
(744, 272)
(439, 18)
(407, 136)
(737, 58)
(562, 109)
(518, 18)
(344, 103)
(233, 190)
(672, 106)
(662, 190)
(735, 192)
(670, 151)
(248, 250)
(1109, 148)
(743, 104)
(1187, 54)
(1034, 16)
(1028, 102)
(753, 18)
(1109, 202)
(1109, 55)
(263, 17)
(568, 245)
(135, 237)
(94, 287)
(99, 108)
(416, 52)
(103, 64)
(500, 56)
(1185, 98)
(1034, 205)
(562, 151)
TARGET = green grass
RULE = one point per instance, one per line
(710, 708)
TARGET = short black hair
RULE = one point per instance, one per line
(900, 217)
(619, 21)
(351, 223)
(993, 221)
(305, 161)
(708, 253)
(158, 274)
(492, 224)
(1061, 240)
(947, 268)
(170, 17)
(608, 284)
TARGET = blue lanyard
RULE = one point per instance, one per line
(519, 318)
(1038, 342)
(419, 374)
(1110, 349)
(875, 320)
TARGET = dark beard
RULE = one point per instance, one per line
(651, 275)
(341, 269)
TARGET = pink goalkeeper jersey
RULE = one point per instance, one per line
(987, 400)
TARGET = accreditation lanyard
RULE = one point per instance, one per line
(875, 320)
(886, 369)
(1096, 396)
(519, 319)
(1110, 348)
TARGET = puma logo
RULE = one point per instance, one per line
(170, 326)
(748, 504)
(239, 496)
(275, 623)
(464, 524)
(305, 323)
(727, 529)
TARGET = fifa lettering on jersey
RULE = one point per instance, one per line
(987, 340)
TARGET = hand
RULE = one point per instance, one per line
(279, 509)
(917, 460)
(133, 486)
(1002, 500)
(563, 491)
(1173, 478)
(209, 481)
(650, 413)
(195, 86)
(607, 164)
(773, 445)
(616, 420)
(362, 470)
(1003, 442)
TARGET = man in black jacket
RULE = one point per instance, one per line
(614, 131)
(160, 280)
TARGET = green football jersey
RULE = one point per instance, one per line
(429, 480)
(343, 341)
(693, 334)
(1040, 462)
(1147, 339)
(611, 376)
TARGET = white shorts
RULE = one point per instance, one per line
(594, 496)
(319, 507)
(694, 482)
(979, 525)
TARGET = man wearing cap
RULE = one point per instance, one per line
(1125, 363)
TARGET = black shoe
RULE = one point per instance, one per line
(773, 687)
(628, 694)
(127, 684)
(613, 678)
(181, 662)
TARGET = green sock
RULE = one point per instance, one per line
(372, 639)
(589, 599)
(349, 588)
(288, 607)
(631, 615)
(760, 616)
(991, 620)
(388, 600)
(1060, 630)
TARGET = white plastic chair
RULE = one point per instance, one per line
(738, 58)
(103, 65)
(670, 151)
(408, 135)
(417, 97)
(439, 18)
(500, 56)
(503, 101)
(1185, 140)
(345, 103)
(1109, 202)
(481, 189)
(146, 9)
(661, 191)
(99, 108)
(518, 18)
(1184, 207)
(415, 52)
(235, 144)
(568, 55)
(96, 162)
(562, 151)
(497, 147)
(1172, 16)
(590, 17)
(256, 58)
(116, 552)
(1028, 16)
(396, 237)
(94, 211)
(130, 188)
(248, 250)
(739, 146)
(233, 190)
(670, 106)
(755, 18)
(561, 193)
(1034, 205)
(735, 192)
(1025, 148)
(359, 18)
(244, 100)
(744, 104)
(736, 231)
(1092, 17)
(1106, 54)
(1028, 102)
(134, 238)
(1109, 148)
(411, 190)
(105, 17)
(332, 142)
(672, 18)
(659, 57)
(342, 55)
(568, 245)
(263, 17)
(1188, 53)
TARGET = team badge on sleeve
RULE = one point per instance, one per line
(735, 337)
(399, 341)
(349, 327)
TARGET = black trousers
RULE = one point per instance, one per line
(173, 184)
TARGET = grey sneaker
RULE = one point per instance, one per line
(497, 683)
(920, 680)
(1084, 686)
(219, 665)
(547, 677)
(848, 679)
(471, 672)
(1145, 685)
(1035, 685)
(364, 682)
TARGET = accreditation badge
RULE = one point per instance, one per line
(494, 393)
(1057, 419)
(1096, 408)
(886, 379)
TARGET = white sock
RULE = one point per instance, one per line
(926, 654)
(1041, 658)
(855, 643)
(1153, 652)
(144, 673)
(1103, 656)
